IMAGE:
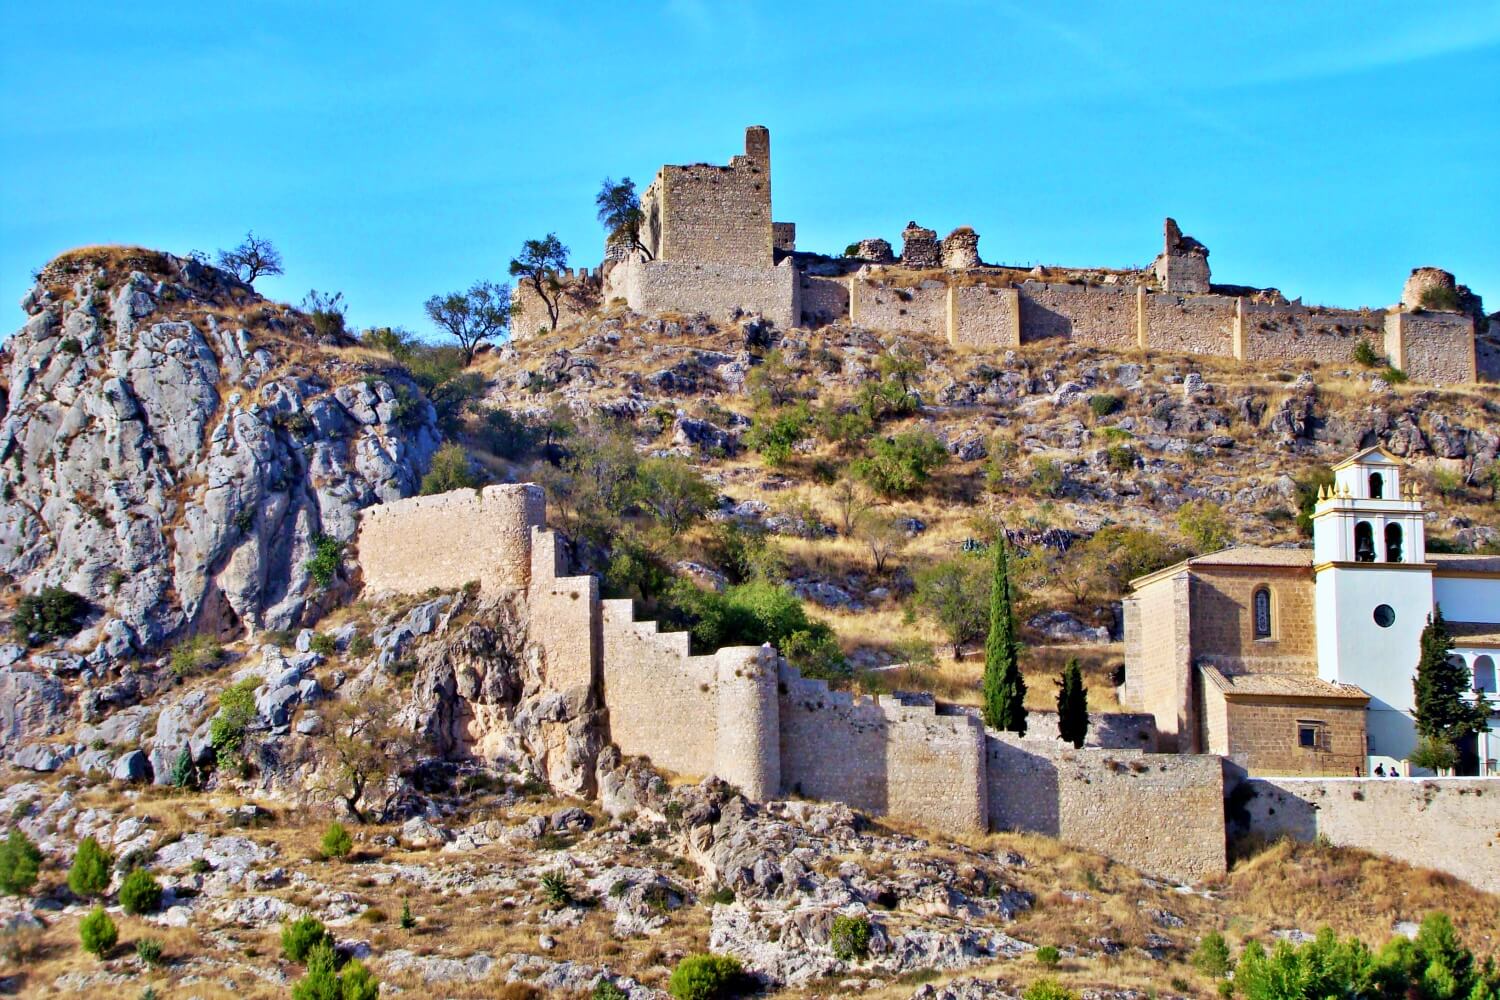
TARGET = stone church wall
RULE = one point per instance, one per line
(1452, 824)
(1261, 736)
(1157, 660)
(1161, 813)
(1223, 627)
(451, 539)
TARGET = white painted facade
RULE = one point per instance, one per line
(1374, 593)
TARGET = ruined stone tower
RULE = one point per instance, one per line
(704, 213)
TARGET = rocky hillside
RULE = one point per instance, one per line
(174, 445)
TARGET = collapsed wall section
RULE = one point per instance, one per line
(1161, 813)
(1452, 824)
(446, 541)
(883, 756)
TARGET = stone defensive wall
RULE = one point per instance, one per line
(449, 540)
(1161, 813)
(580, 297)
(1451, 824)
(722, 290)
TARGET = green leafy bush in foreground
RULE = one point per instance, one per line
(705, 977)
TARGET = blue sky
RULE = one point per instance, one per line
(395, 150)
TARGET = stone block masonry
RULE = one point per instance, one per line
(723, 291)
(449, 540)
(1435, 347)
(1452, 824)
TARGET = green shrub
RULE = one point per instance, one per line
(358, 983)
(1434, 754)
(1047, 956)
(70, 345)
(327, 556)
(149, 950)
(407, 920)
(705, 977)
(1308, 487)
(336, 841)
(53, 613)
(450, 470)
(1212, 956)
(1119, 458)
(89, 874)
(195, 654)
(323, 644)
(752, 613)
(229, 726)
(1394, 375)
(1441, 299)
(606, 990)
(140, 892)
(1205, 524)
(1103, 404)
(555, 889)
(674, 492)
(850, 938)
(774, 434)
(1047, 477)
(97, 932)
(301, 936)
(1048, 989)
(20, 861)
(1365, 355)
(901, 466)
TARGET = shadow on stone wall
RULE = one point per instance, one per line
(1023, 788)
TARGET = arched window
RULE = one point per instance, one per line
(1393, 543)
(1377, 486)
(1364, 542)
(1484, 674)
(1261, 605)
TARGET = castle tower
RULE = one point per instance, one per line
(1373, 591)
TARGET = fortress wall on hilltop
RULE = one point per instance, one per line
(446, 541)
(1292, 332)
(879, 306)
(1434, 347)
(984, 316)
(580, 298)
(882, 756)
(721, 290)
(1161, 813)
(1448, 823)
(563, 621)
(1104, 316)
(823, 300)
(1190, 324)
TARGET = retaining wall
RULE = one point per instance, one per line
(720, 290)
(1452, 824)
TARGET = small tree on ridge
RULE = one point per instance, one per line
(537, 265)
(473, 317)
(620, 212)
(251, 259)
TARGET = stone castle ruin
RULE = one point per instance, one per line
(714, 248)
(744, 715)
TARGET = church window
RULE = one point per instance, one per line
(1364, 542)
(1393, 543)
(1307, 735)
(1484, 674)
(1385, 615)
(1377, 486)
(1261, 605)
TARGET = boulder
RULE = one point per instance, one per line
(133, 767)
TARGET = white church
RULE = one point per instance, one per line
(1298, 661)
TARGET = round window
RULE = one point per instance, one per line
(1385, 615)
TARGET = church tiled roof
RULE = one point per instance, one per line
(1239, 555)
(1270, 685)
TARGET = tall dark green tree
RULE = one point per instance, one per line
(1004, 687)
(1072, 705)
(1443, 709)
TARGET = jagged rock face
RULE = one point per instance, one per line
(481, 692)
(172, 444)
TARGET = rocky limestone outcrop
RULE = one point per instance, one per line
(173, 444)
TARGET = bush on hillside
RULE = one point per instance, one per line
(89, 874)
(52, 613)
(20, 862)
(450, 470)
(195, 654)
(140, 892)
(901, 466)
(1049, 989)
(230, 726)
(327, 556)
(705, 977)
(850, 938)
(301, 936)
(97, 932)
(774, 434)
(1205, 525)
(336, 841)
(749, 614)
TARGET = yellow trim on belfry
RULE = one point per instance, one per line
(1340, 564)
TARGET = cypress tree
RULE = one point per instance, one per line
(1443, 711)
(1004, 687)
(1072, 705)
